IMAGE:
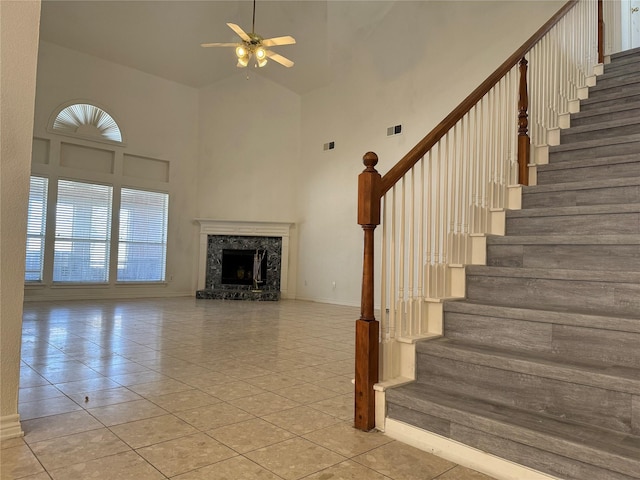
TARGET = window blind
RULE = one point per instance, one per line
(36, 227)
(83, 231)
(142, 246)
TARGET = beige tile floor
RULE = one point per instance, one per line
(197, 389)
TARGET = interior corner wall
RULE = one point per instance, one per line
(250, 154)
(412, 68)
(19, 23)
(159, 119)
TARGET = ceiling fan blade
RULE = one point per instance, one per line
(270, 42)
(218, 45)
(241, 33)
(279, 58)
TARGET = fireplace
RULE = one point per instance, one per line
(244, 267)
(243, 260)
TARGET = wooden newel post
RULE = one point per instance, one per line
(367, 327)
(600, 32)
(524, 144)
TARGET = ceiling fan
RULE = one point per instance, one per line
(253, 45)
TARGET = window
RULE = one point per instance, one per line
(85, 120)
(83, 232)
(142, 247)
(36, 226)
(99, 233)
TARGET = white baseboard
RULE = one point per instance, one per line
(330, 301)
(79, 294)
(10, 427)
(461, 454)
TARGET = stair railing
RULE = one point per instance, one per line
(452, 188)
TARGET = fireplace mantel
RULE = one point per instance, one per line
(244, 228)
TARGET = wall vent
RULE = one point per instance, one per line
(395, 130)
(329, 146)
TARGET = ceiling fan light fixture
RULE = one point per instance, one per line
(243, 61)
(241, 51)
(261, 57)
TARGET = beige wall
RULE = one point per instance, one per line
(18, 53)
(413, 68)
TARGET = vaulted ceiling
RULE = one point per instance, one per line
(163, 37)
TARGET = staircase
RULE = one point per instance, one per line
(540, 364)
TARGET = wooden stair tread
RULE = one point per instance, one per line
(604, 109)
(604, 321)
(584, 144)
(627, 79)
(581, 185)
(617, 378)
(604, 96)
(599, 126)
(555, 274)
(589, 162)
(625, 54)
(617, 71)
(621, 239)
(593, 445)
(574, 210)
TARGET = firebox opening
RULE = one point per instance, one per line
(238, 267)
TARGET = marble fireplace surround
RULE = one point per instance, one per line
(249, 229)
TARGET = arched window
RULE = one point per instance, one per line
(88, 121)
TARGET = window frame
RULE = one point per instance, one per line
(73, 240)
(121, 242)
(42, 236)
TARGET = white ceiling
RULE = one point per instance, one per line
(163, 37)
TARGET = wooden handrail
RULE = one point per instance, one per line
(420, 150)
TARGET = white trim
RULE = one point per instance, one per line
(330, 301)
(247, 229)
(108, 295)
(461, 454)
(10, 427)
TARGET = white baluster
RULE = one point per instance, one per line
(430, 222)
(393, 267)
(422, 233)
(385, 328)
(400, 260)
(411, 284)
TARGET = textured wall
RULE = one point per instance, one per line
(19, 40)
